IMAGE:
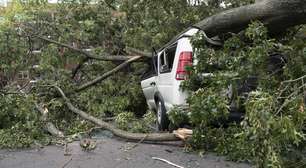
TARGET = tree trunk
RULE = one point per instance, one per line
(277, 15)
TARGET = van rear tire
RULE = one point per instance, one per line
(162, 118)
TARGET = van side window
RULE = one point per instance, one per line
(163, 66)
(167, 59)
(170, 54)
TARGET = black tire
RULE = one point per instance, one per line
(162, 118)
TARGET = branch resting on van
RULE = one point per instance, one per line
(277, 15)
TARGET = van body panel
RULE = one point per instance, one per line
(149, 89)
(164, 83)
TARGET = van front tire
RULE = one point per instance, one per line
(162, 118)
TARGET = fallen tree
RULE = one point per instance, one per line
(277, 15)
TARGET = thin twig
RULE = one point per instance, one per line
(135, 145)
(282, 91)
(10, 93)
(294, 80)
(166, 161)
(287, 101)
(67, 162)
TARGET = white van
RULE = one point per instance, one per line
(161, 86)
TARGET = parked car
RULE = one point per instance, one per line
(161, 85)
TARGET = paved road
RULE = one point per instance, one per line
(110, 153)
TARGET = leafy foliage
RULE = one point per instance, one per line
(127, 121)
(274, 122)
(82, 25)
(20, 125)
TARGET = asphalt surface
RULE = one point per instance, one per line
(111, 153)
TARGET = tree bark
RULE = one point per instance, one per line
(138, 52)
(49, 126)
(277, 15)
(113, 129)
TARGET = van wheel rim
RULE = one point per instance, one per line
(159, 115)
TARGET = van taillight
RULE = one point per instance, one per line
(185, 60)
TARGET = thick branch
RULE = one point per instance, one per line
(276, 14)
(87, 54)
(138, 52)
(113, 129)
(107, 74)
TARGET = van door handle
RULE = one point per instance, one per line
(152, 83)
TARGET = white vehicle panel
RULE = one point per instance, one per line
(149, 89)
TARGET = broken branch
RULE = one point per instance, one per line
(107, 74)
(113, 129)
(50, 127)
(87, 54)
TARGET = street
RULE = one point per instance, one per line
(111, 153)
